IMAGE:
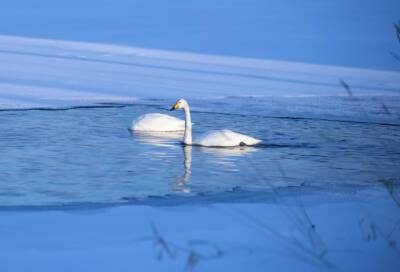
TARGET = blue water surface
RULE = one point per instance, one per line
(89, 155)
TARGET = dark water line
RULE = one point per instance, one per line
(65, 108)
(234, 195)
(123, 105)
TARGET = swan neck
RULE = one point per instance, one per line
(188, 126)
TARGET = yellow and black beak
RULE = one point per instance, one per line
(174, 107)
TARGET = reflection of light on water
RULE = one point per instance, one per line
(228, 156)
(158, 155)
(223, 156)
(169, 139)
(158, 138)
(229, 151)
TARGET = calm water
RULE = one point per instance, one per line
(88, 155)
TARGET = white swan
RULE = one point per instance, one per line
(157, 122)
(214, 138)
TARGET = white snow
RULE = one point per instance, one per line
(53, 73)
(315, 232)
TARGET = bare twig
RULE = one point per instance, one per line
(397, 29)
(193, 254)
(392, 188)
(394, 55)
(346, 87)
(310, 247)
(162, 245)
(370, 230)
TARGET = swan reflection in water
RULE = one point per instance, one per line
(169, 139)
(222, 156)
(158, 138)
(236, 151)
(182, 181)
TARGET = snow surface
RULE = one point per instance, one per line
(52, 74)
(326, 231)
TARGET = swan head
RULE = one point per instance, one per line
(180, 104)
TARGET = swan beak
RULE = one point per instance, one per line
(174, 107)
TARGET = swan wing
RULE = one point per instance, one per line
(225, 138)
(157, 122)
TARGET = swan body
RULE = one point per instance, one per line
(224, 138)
(157, 122)
(214, 138)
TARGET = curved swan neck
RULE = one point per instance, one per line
(187, 139)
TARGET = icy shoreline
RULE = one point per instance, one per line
(55, 74)
(306, 231)
(235, 195)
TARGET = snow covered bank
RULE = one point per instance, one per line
(310, 232)
(49, 73)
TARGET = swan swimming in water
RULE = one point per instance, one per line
(157, 122)
(214, 138)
